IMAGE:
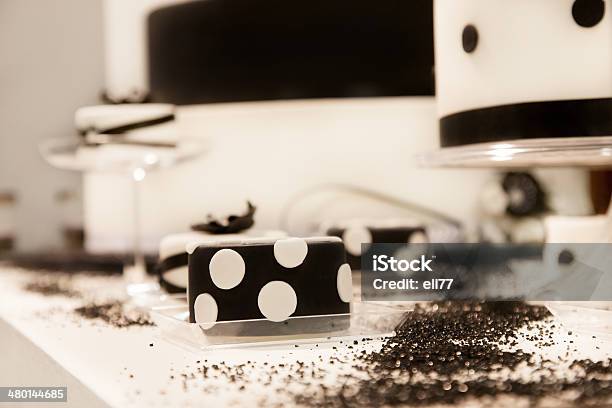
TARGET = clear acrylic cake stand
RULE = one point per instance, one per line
(134, 162)
(374, 320)
(585, 152)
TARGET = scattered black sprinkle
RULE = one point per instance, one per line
(446, 353)
(441, 354)
(115, 314)
(566, 257)
(51, 285)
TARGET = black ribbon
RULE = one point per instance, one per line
(172, 262)
(136, 97)
(119, 130)
(165, 265)
(234, 223)
(532, 120)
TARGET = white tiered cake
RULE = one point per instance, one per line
(523, 69)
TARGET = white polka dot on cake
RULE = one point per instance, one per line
(277, 301)
(206, 310)
(353, 237)
(344, 282)
(290, 252)
(227, 269)
(418, 238)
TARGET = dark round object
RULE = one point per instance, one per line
(525, 195)
(588, 13)
(566, 257)
(469, 38)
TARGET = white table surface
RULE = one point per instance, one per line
(44, 343)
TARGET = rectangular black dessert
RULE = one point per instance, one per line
(270, 280)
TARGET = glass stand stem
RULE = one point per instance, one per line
(608, 233)
(139, 261)
(135, 272)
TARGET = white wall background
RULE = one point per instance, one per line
(51, 62)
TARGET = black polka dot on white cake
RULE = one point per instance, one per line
(290, 252)
(588, 13)
(344, 283)
(277, 301)
(227, 269)
(206, 310)
(469, 38)
(354, 236)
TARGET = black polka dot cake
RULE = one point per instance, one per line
(356, 233)
(271, 280)
(515, 70)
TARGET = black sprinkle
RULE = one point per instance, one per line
(52, 286)
(114, 314)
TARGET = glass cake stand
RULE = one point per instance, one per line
(133, 161)
(590, 152)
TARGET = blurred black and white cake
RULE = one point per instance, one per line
(357, 235)
(515, 70)
(271, 280)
